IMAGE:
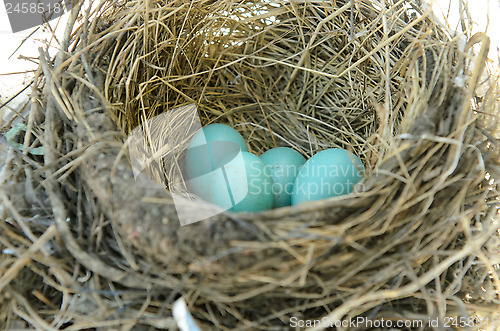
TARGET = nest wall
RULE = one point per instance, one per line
(89, 248)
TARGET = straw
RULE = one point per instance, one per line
(418, 240)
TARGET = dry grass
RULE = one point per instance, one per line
(418, 240)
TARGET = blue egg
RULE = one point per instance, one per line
(218, 132)
(243, 185)
(284, 164)
(329, 173)
(206, 152)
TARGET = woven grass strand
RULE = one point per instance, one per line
(384, 79)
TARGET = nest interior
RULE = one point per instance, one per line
(84, 246)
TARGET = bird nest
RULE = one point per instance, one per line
(85, 246)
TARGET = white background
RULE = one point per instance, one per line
(480, 11)
(11, 84)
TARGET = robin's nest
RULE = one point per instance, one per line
(84, 246)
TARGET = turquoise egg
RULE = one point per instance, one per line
(243, 185)
(329, 173)
(284, 164)
(206, 152)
